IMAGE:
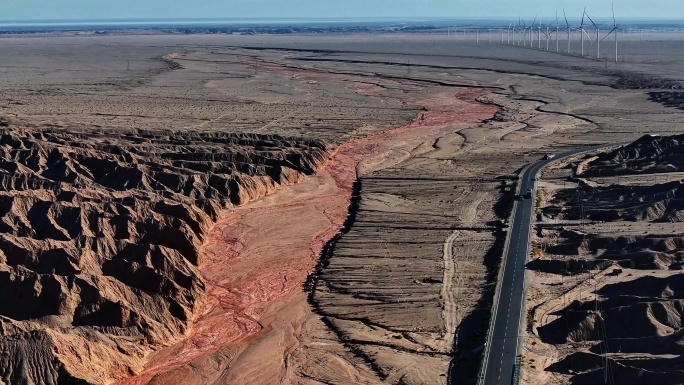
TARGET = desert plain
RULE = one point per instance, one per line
(332, 209)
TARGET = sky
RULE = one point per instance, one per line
(93, 10)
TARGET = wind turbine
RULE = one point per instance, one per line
(615, 31)
(548, 35)
(598, 39)
(524, 37)
(539, 36)
(514, 34)
(532, 26)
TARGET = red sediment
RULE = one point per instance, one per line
(251, 262)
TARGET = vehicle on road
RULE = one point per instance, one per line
(549, 156)
(528, 194)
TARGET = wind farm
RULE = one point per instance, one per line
(549, 33)
(583, 34)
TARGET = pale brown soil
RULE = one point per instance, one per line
(402, 295)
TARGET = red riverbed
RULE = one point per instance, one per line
(259, 255)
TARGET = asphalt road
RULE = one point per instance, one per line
(504, 345)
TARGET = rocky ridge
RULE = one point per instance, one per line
(635, 332)
(657, 203)
(101, 235)
(648, 154)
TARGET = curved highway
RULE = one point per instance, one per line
(500, 365)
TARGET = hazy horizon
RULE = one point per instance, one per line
(502, 22)
(19, 11)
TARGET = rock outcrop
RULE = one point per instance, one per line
(659, 203)
(100, 239)
(668, 98)
(636, 331)
(648, 154)
(646, 252)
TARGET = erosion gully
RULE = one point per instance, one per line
(258, 256)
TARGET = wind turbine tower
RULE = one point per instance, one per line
(567, 28)
(582, 30)
(615, 29)
(539, 36)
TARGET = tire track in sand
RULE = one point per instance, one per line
(450, 314)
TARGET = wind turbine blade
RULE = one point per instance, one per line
(592, 21)
(612, 7)
(566, 19)
(585, 12)
(611, 31)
